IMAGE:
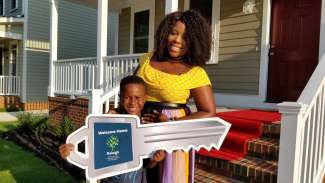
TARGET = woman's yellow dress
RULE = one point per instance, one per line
(178, 167)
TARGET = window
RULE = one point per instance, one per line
(141, 32)
(14, 4)
(207, 8)
(1, 62)
(13, 59)
(204, 7)
(2, 7)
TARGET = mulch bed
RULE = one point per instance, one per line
(46, 148)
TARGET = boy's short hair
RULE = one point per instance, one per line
(131, 79)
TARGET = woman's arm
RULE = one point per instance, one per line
(204, 101)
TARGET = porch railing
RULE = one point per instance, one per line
(9, 85)
(78, 76)
(302, 142)
(74, 76)
(115, 68)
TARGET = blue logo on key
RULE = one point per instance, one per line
(112, 144)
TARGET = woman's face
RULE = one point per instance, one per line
(176, 42)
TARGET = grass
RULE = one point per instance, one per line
(7, 126)
(18, 165)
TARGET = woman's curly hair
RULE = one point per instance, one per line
(197, 37)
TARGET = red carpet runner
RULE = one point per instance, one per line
(245, 125)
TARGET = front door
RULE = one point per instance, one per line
(294, 47)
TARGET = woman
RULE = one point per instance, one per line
(173, 74)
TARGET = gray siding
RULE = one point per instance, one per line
(77, 31)
(37, 61)
(124, 31)
(37, 76)
(111, 35)
(10, 12)
(239, 53)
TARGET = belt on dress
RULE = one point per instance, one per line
(165, 105)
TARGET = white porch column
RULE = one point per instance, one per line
(290, 142)
(101, 40)
(171, 6)
(53, 44)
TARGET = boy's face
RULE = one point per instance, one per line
(133, 98)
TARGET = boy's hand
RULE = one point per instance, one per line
(159, 156)
(65, 150)
(154, 117)
(112, 111)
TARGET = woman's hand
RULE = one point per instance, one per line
(154, 117)
(65, 150)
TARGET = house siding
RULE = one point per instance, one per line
(37, 53)
(113, 21)
(9, 12)
(124, 31)
(237, 71)
(37, 76)
(77, 31)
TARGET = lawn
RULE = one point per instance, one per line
(18, 165)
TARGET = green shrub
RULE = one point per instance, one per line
(65, 128)
(30, 123)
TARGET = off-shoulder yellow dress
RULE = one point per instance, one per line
(178, 167)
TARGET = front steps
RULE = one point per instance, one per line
(258, 166)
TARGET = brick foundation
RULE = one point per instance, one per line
(9, 101)
(75, 109)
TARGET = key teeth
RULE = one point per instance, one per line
(195, 147)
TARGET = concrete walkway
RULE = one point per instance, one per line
(12, 116)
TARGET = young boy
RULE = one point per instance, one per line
(132, 99)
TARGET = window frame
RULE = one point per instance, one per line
(215, 24)
(14, 7)
(143, 5)
(3, 7)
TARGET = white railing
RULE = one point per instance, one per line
(9, 85)
(115, 68)
(74, 76)
(302, 142)
(78, 76)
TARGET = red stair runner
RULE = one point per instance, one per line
(245, 125)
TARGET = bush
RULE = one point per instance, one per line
(30, 123)
(65, 128)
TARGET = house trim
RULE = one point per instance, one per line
(265, 42)
(11, 20)
(138, 7)
(11, 35)
(243, 101)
